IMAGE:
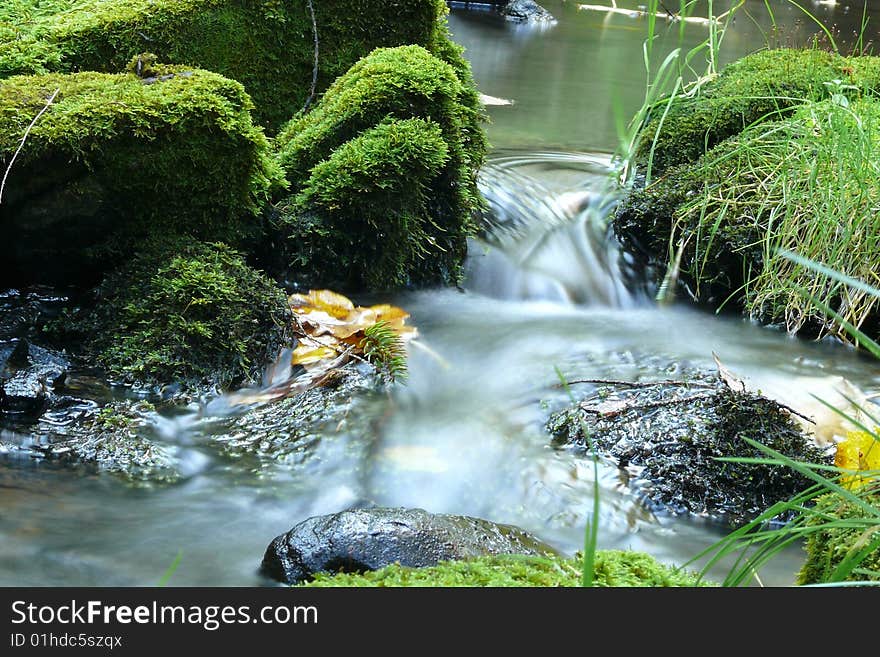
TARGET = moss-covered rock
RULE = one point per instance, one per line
(186, 312)
(384, 174)
(760, 87)
(267, 45)
(827, 548)
(612, 568)
(118, 157)
(667, 438)
(806, 183)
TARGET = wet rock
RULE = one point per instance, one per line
(667, 435)
(368, 539)
(110, 439)
(284, 431)
(33, 375)
(522, 11)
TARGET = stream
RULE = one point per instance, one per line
(545, 290)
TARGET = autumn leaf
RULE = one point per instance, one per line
(328, 324)
(859, 452)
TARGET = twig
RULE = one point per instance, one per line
(24, 139)
(640, 407)
(642, 384)
(791, 410)
(315, 67)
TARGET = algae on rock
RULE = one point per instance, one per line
(612, 568)
(186, 312)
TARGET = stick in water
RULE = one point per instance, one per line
(23, 140)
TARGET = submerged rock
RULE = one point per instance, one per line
(284, 431)
(668, 435)
(521, 11)
(110, 440)
(368, 539)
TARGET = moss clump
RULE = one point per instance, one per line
(116, 158)
(186, 312)
(612, 568)
(384, 174)
(362, 218)
(267, 45)
(760, 87)
(827, 548)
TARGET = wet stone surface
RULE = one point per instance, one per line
(109, 439)
(283, 431)
(667, 434)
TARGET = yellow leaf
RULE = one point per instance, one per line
(306, 354)
(330, 302)
(858, 452)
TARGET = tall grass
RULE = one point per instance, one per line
(816, 511)
(808, 183)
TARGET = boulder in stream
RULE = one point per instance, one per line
(116, 159)
(368, 539)
(666, 436)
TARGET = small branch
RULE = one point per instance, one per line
(315, 67)
(794, 412)
(641, 384)
(649, 405)
(24, 139)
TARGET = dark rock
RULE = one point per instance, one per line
(368, 539)
(111, 439)
(24, 393)
(35, 373)
(667, 437)
(522, 11)
(284, 431)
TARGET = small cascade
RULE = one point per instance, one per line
(545, 233)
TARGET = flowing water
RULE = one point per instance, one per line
(546, 289)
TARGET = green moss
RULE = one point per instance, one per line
(613, 568)
(116, 157)
(760, 87)
(827, 548)
(363, 220)
(267, 45)
(189, 313)
(384, 202)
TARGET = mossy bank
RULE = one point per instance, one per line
(776, 155)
